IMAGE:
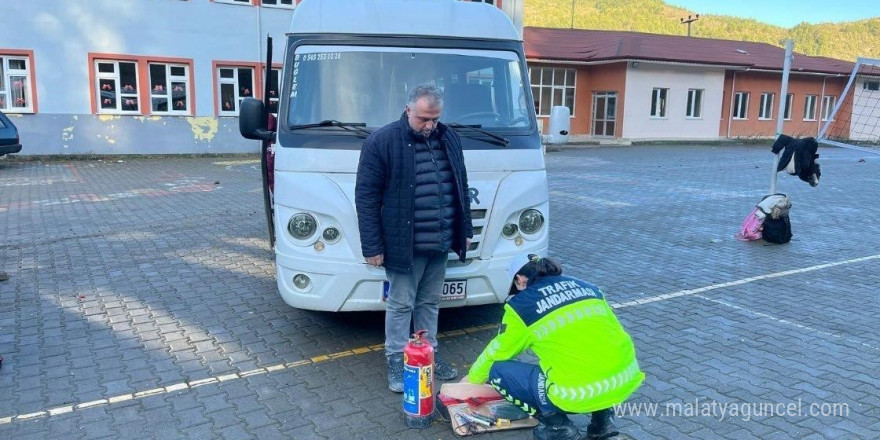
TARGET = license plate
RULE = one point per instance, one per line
(452, 290)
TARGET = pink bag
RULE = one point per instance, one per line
(751, 226)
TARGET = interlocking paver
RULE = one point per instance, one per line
(120, 284)
(271, 432)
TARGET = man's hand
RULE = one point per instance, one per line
(376, 261)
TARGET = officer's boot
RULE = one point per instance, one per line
(556, 426)
(602, 425)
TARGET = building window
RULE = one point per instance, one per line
(789, 98)
(137, 85)
(491, 2)
(695, 103)
(766, 110)
(552, 87)
(288, 4)
(15, 84)
(236, 2)
(741, 105)
(117, 87)
(810, 108)
(235, 84)
(828, 106)
(871, 85)
(658, 103)
(169, 89)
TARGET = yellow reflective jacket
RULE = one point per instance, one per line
(587, 357)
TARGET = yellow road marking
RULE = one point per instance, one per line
(221, 378)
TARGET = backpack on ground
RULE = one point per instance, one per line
(776, 227)
(751, 226)
(777, 230)
(773, 210)
(774, 205)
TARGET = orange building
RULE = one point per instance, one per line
(646, 86)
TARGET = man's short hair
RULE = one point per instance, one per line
(435, 98)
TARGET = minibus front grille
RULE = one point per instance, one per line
(479, 218)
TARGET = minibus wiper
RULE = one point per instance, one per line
(350, 126)
(496, 139)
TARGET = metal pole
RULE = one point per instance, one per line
(849, 84)
(783, 94)
(264, 146)
(259, 36)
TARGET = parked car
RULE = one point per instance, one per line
(9, 142)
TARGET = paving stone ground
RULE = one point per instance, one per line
(142, 302)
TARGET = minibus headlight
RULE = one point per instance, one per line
(531, 221)
(331, 234)
(509, 230)
(302, 226)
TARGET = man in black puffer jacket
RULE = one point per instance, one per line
(413, 208)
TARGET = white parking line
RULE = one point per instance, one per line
(161, 390)
(688, 292)
(325, 358)
(787, 322)
(227, 163)
(592, 201)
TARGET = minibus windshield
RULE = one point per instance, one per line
(370, 85)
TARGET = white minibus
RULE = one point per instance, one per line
(348, 68)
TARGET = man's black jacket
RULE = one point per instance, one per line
(384, 193)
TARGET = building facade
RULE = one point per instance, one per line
(167, 76)
(138, 76)
(641, 86)
(141, 76)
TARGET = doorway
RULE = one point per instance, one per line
(604, 113)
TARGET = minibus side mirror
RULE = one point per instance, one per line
(252, 120)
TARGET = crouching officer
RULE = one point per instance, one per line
(587, 362)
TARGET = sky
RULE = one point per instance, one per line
(786, 13)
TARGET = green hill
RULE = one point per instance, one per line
(845, 41)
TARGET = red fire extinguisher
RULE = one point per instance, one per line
(418, 381)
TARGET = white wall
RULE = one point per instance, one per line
(640, 82)
(865, 112)
(62, 33)
(514, 10)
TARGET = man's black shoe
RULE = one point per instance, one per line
(602, 425)
(395, 372)
(442, 370)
